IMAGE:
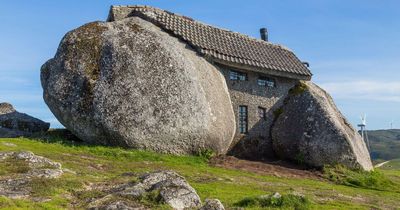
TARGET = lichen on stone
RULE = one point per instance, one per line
(298, 89)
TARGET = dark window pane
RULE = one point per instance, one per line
(243, 119)
(262, 113)
(265, 81)
(235, 75)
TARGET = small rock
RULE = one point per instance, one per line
(39, 167)
(118, 205)
(276, 195)
(212, 204)
(174, 190)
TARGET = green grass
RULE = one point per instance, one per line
(11, 166)
(385, 144)
(357, 178)
(96, 165)
(288, 201)
(392, 165)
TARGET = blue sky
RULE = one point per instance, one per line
(352, 46)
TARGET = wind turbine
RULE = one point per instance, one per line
(364, 134)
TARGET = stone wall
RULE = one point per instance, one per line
(257, 143)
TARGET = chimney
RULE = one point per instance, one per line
(264, 34)
(306, 64)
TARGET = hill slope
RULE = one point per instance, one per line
(95, 167)
(385, 144)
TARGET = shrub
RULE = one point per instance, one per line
(285, 201)
(298, 89)
(206, 154)
(358, 178)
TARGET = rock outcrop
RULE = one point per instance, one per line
(164, 187)
(14, 124)
(212, 204)
(173, 189)
(311, 130)
(26, 166)
(130, 84)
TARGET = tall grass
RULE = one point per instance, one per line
(358, 178)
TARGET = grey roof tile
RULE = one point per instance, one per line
(220, 44)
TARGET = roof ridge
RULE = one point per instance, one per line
(226, 46)
(209, 25)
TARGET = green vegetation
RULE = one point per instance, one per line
(357, 178)
(298, 89)
(392, 165)
(10, 166)
(385, 144)
(99, 165)
(288, 201)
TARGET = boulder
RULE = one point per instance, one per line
(212, 204)
(30, 166)
(6, 108)
(173, 189)
(311, 130)
(128, 83)
(13, 123)
(9, 133)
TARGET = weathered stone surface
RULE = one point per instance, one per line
(9, 133)
(128, 83)
(17, 185)
(6, 108)
(119, 205)
(311, 130)
(212, 204)
(173, 189)
(13, 123)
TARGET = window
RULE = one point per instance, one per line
(265, 81)
(262, 113)
(243, 119)
(235, 75)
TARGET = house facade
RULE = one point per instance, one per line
(258, 74)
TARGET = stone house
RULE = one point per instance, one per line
(258, 74)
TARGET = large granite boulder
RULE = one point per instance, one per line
(13, 123)
(311, 130)
(128, 83)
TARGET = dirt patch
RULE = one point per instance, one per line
(276, 168)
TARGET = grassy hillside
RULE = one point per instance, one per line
(392, 165)
(97, 165)
(385, 144)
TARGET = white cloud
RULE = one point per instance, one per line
(364, 89)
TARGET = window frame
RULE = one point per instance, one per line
(243, 116)
(237, 75)
(266, 81)
(262, 113)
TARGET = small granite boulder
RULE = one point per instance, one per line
(13, 123)
(311, 130)
(173, 189)
(212, 204)
(30, 166)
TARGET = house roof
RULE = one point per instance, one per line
(220, 45)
